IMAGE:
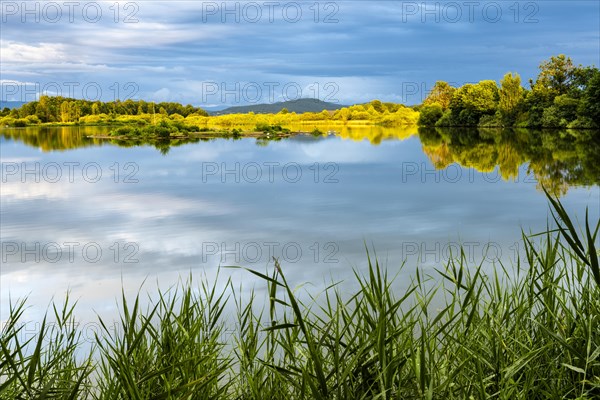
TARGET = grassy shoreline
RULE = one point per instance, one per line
(524, 332)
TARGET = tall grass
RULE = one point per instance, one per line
(528, 331)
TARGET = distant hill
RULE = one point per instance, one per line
(10, 104)
(297, 106)
(212, 109)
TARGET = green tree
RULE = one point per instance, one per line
(65, 112)
(472, 101)
(510, 97)
(74, 111)
(556, 76)
(591, 98)
(559, 94)
(378, 106)
(581, 79)
(430, 114)
(441, 94)
(342, 114)
(589, 106)
(42, 110)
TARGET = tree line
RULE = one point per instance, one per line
(57, 109)
(62, 110)
(562, 96)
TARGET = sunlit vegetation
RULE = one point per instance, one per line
(374, 113)
(57, 138)
(522, 331)
(562, 96)
(271, 129)
(163, 129)
(60, 110)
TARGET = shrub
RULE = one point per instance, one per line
(490, 121)
(446, 119)
(551, 118)
(430, 114)
(583, 123)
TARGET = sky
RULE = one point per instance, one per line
(217, 53)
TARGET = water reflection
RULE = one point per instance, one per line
(556, 159)
(56, 138)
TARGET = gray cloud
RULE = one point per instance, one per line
(165, 49)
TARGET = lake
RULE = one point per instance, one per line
(92, 216)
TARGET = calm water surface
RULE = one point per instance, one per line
(156, 214)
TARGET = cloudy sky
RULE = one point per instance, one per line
(215, 52)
